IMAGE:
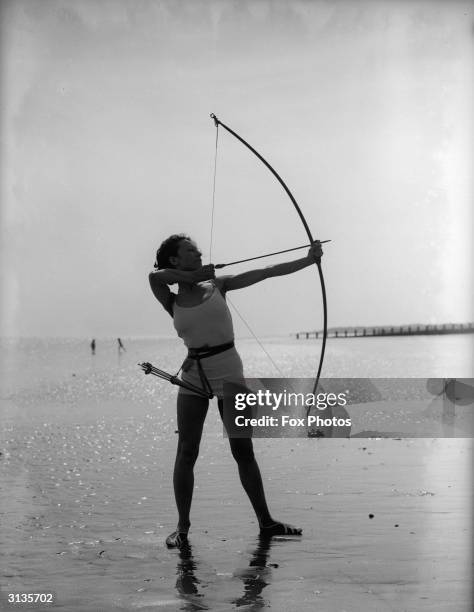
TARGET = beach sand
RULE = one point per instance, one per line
(88, 449)
(87, 502)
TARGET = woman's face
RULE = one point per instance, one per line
(188, 256)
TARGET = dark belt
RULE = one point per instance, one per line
(203, 352)
(207, 351)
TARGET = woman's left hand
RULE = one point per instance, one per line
(315, 252)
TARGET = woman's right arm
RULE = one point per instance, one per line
(160, 279)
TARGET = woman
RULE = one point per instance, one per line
(202, 319)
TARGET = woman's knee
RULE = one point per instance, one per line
(242, 450)
(187, 452)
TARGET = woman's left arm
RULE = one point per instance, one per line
(239, 281)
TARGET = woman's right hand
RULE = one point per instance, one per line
(204, 273)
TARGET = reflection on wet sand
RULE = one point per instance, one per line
(187, 581)
(255, 578)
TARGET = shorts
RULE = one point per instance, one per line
(225, 366)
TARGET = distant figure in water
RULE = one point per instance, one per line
(93, 346)
(120, 345)
(202, 319)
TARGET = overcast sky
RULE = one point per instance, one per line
(364, 108)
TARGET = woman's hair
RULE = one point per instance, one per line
(168, 248)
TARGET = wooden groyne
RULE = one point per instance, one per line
(402, 330)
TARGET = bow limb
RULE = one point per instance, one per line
(307, 230)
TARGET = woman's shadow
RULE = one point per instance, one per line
(255, 577)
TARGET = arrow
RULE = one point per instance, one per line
(231, 263)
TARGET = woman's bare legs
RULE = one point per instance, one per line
(192, 411)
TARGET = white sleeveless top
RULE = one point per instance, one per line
(208, 323)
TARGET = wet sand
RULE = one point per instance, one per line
(87, 502)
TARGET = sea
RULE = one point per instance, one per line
(67, 366)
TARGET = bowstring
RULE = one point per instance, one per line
(260, 344)
(213, 194)
(234, 307)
